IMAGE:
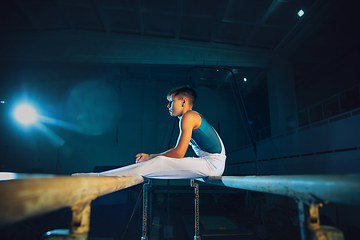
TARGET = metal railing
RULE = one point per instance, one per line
(25, 196)
(308, 190)
(345, 103)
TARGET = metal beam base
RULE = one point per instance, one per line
(63, 234)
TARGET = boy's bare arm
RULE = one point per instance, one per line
(189, 121)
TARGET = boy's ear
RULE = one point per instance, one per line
(184, 101)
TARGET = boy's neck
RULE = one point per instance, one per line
(189, 109)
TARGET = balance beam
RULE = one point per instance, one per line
(25, 196)
(339, 189)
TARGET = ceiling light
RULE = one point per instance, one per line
(245, 79)
(300, 13)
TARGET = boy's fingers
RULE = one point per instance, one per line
(138, 157)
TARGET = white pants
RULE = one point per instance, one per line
(207, 164)
(173, 168)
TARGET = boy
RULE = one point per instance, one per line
(194, 131)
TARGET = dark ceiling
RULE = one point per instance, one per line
(324, 35)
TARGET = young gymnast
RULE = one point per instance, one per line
(194, 131)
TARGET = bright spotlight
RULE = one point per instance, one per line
(245, 79)
(300, 13)
(25, 114)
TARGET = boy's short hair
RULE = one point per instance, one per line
(184, 91)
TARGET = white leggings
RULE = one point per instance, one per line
(161, 167)
(174, 168)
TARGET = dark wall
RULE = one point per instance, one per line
(90, 121)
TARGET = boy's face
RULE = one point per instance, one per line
(175, 106)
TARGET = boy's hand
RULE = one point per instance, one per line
(142, 157)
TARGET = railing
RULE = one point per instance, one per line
(307, 190)
(344, 104)
(24, 196)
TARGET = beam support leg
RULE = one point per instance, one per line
(197, 215)
(302, 220)
(145, 209)
(80, 225)
(310, 228)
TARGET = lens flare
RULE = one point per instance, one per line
(93, 107)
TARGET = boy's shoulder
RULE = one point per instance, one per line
(192, 113)
(192, 118)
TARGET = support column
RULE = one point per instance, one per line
(282, 97)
